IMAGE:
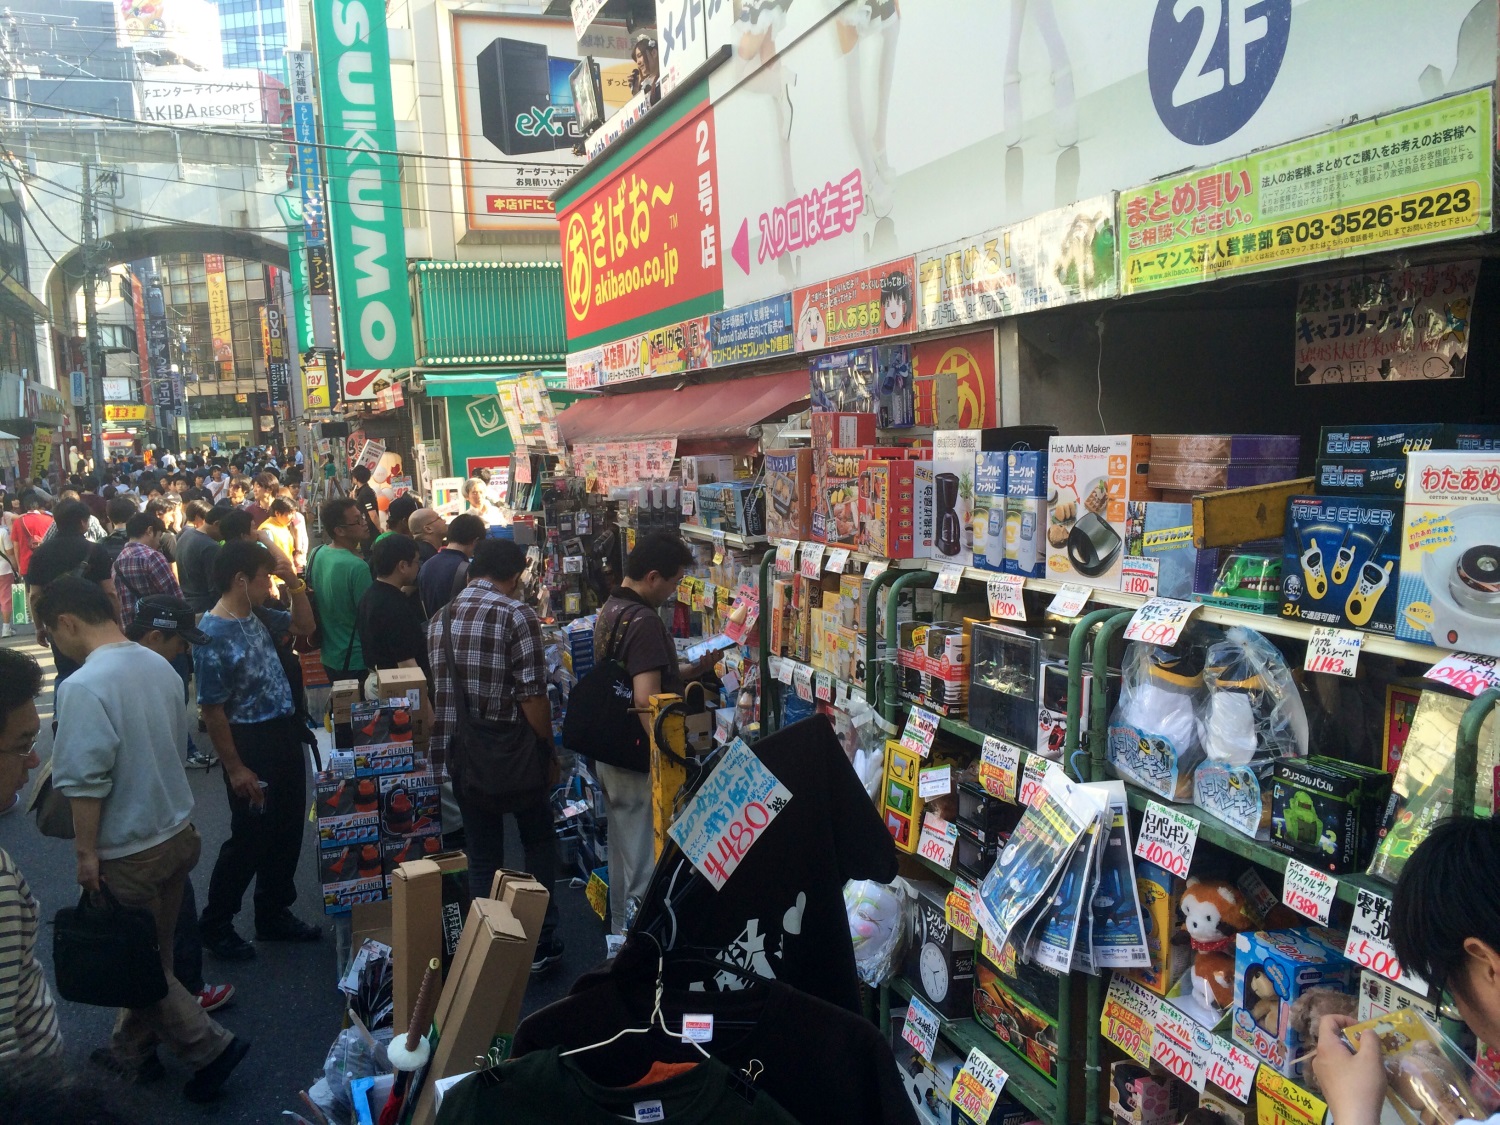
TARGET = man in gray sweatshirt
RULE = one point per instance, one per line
(120, 724)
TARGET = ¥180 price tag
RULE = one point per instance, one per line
(1334, 652)
(1369, 943)
(1160, 621)
(977, 1086)
(1309, 891)
(786, 556)
(875, 568)
(999, 765)
(837, 559)
(938, 840)
(1069, 601)
(1138, 575)
(812, 560)
(1167, 838)
(949, 576)
(1006, 600)
(921, 729)
(1466, 672)
(921, 1028)
(1232, 1069)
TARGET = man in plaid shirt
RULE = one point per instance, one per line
(497, 646)
(141, 569)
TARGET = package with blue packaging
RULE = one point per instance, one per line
(876, 380)
(1025, 513)
(1341, 560)
(1390, 440)
(1155, 529)
(1271, 970)
(989, 511)
(1374, 476)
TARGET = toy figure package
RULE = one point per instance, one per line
(1118, 932)
(1429, 1081)
(1154, 730)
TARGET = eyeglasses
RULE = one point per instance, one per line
(26, 753)
(358, 523)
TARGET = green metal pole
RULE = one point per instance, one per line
(873, 681)
(1466, 758)
(767, 681)
(1076, 644)
(893, 634)
(1064, 1051)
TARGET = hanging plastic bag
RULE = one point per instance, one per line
(1252, 712)
(1153, 733)
(879, 918)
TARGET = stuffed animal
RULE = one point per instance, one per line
(1213, 911)
(1265, 1009)
(1307, 1013)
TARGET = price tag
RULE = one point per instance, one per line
(837, 559)
(1369, 941)
(1138, 575)
(938, 840)
(875, 568)
(698, 1028)
(949, 576)
(710, 596)
(1466, 672)
(1167, 838)
(1293, 1104)
(1160, 621)
(803, 677)
(1069, 601)
(786, 556)
(999, 763)
(719, 549)
(977, 1086)
(1033, 780)
(823, 687)
(1334, 651)
(958, 909)
(728, 813)
(1129, 1018)
(812, 560)
(787, 670)
(1182, 1046)
(1309, 891)
(1006, 602)
(1231, 1069)
(921, 729)
(935, 781)
(921, 1028)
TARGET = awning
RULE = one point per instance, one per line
(713, 410)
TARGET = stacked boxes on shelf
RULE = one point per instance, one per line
(1183, 465)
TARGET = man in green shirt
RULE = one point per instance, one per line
(339, 577)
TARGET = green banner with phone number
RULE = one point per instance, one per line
(1417, 175)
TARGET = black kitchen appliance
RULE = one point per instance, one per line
(950, 534)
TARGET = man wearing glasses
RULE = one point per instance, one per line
(339, 577)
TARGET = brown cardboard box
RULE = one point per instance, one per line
(420, 917)
(343, 695)
(395, 683)
(527, 900)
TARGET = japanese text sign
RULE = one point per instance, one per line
(1465, 672)
(938, 840)
(921, 1028)
(728, 814)
(921, 729)
(1369, 942)
(1333, 651)
(1309, 891)
(999, 765)
(1160, 621)
(977, 1086)
(1167, 838)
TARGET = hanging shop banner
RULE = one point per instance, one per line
(956, 382)
(872, 304)
(1072, 99)
(675, 348)
(1418, 175)
(41, 451)
(620, 360)
(273, 335)
(643, 243)
(366, 232)
(584, 12)
(301, 314)
(118, 392)
(158, 369)
(585, 369)
(760, 330)
(1060, 257)
(516, 121)
(1410, 324)
(315, 385)
(609, 464)
(219, 327)
(181, 95)
(124, 412)
(299, 74)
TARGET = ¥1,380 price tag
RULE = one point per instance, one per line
(999, 765)
(921, 1028)
(938, 840)
(1160, 621)
(977, 1086)
(1138, 575)
(1006, 602)
(1232, 1070)
(837, 559)
(786, 556)
(1333, 651)
(812, 560)
(875, 568)
(1466, 672)
(934, 781)
(1167, 838)
(949, 576)
(921, 729)
(1033, 780)
(1309, 891)
(1069, 601)
(1369, 942)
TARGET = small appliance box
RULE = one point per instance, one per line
(1450, 552)
(830, 432)
(1090, 480)
(953, 459)
(1340, 559)
(788, 493)
(1271, 970)
(939, 960)
(989, 511)
(1138, 1097)
(1025, 517)
(887, 509)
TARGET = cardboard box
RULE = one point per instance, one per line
(1379, 441)
(1161, 895)
(428, 898)
(1340, 559)
(342, 696)
(953, 460)
(401, 683)
(715, 468)
(831, 432)
(1138, 1097)
(1449, 557)
(1271, 970)
(788, 493)
(989, 511)
(527, 900)
(1375, 476)
(887, 509)
(1090, 481)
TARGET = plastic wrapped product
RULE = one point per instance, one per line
(1252, 710)
(1153, 734)
(879, 918)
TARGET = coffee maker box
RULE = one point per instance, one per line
(1090, 480)
(953, 460)
(989, 511)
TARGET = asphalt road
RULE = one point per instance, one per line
(287, 1002)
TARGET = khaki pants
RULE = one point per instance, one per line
(632, 839)
(154, 879)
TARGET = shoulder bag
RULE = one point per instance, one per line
(501, 766)
(599, 723)
(107, 954)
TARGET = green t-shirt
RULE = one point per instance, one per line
(339, 578)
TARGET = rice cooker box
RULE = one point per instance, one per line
(1340, 559)
(1450, 552)
(1090, 480)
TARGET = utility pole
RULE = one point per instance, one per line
(89, 233)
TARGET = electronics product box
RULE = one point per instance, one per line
(1450, 552)
(1380, 997)
(939, 960)
(1025, 519)
(410, 806)
(902, 802)
(428, 901)
(408, 685)
(1379, 441)
(788, 493)
(1020, 1011)
(924, 505)
(1155, 529)
(351, 875)
(1340, 559)
(887, 509)
(989, 511)
(1052, 707)
(1271, 970)
(830, 432)
(738, 507)
(953, 454)
(1138, 1097)
(1225, 449)
(1372, 476)
(348, 810)
(1327, 811)
(1161, 896)
(874, 380)
(926, 1083)
(1090, 481)
(1470, 437)
(934, 663)
(706, 469)
(1005, 672)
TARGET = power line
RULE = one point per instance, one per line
(66, 194)
(25, 211)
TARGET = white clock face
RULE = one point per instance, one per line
(934, 969)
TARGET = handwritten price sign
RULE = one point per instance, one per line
(875, 568)
(1232, 1070)
(1167, 838)
(1334, 652)
(977, 1086)
(938, 840)
(719, 549)
(837, 559)
(728, 814)
(1129, 1017)
(999, 763)
(1182, 1046)
(1309, 891)
(1006, 602)
(1069, 601)
(958, 909)
(803, 677)
(786, 556)
(1033, 780)
(812, 560)
(787, 671)
(949, 576)
(823, 687)
(921, 1028)
(921, 729)
(1369, 941)
(1160, 621)
(1138, 575)
(1465, 672)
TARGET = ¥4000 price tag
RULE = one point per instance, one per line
(921, 1028)
(1232, 1070)
(1333, 651)
(1309, 891)
(1167, 838)
(1160, 621)
(1369, 942)
(1006, 600)
(977, 1086)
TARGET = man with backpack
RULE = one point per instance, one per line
(29, 529)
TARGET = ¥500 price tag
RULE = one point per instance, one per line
(1167, 838)
(977, 1086)
(1006, 602)
(812, 560)
(1069, 601)
(921, 729)
(1333, 651)
(921, 1028)
(1369, 942)
(949, 576)
(1160, 621)
(1309, 891)
(999, 763)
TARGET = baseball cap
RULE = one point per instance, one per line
(170, 615)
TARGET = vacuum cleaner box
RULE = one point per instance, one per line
(1339, 561)
(953, 454)
(1450, 552)
(1090, 480)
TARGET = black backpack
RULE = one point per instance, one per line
(599, 722)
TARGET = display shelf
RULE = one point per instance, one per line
(843, 689)
(1022, 1082)
(708, 534)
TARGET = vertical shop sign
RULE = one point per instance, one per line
(273, 327)
(218, 313)
(1388, 326)
(366, 234)
(299, 71)
(158, 370)
(150, 393)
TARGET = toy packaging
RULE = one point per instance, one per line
(830, 432)
(1161, 896)
(1139, 1097)
(875, 380)
(989, 511)
(788, 493)
(1379, 441)
(1327, 812)
(1374, 476)
(1155, 529)
(953, 460)
(348, 810)
(1020, 1011)
(1380, 997)
(1248, 581)
(1429, 1080)
(1154, 730)
(926, 1083)
(1118, 932)
(1340, 560)
(1090, 481)
(1271, 970)
(1450, 552)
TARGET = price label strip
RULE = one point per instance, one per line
(1309, 891)
(921, 1028)
(1138, 575)
(729, 812)
(875, 568)
(1232, 1069)
(1334, 652)
(1167, 838)
(999, 767)
(1069, 601)
(1369, 943)
(958, 909)
(977, 1086)
(1466, 672)
(812, 560)
(921, 729)
(934, 781)
(938, 841)
(1160, 621)
(1033, 780)
(786, 557)
(838, 558)
(949, 576)
(1006, 600)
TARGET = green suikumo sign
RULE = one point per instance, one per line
(366, 233)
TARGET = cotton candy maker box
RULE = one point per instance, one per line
(1092, 545)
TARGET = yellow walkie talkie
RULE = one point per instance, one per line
(1343, 560)
(1312, 570)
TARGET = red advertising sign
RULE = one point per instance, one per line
(859, 307)
(646, 239)
(971, 357)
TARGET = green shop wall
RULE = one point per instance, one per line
(476, 427)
